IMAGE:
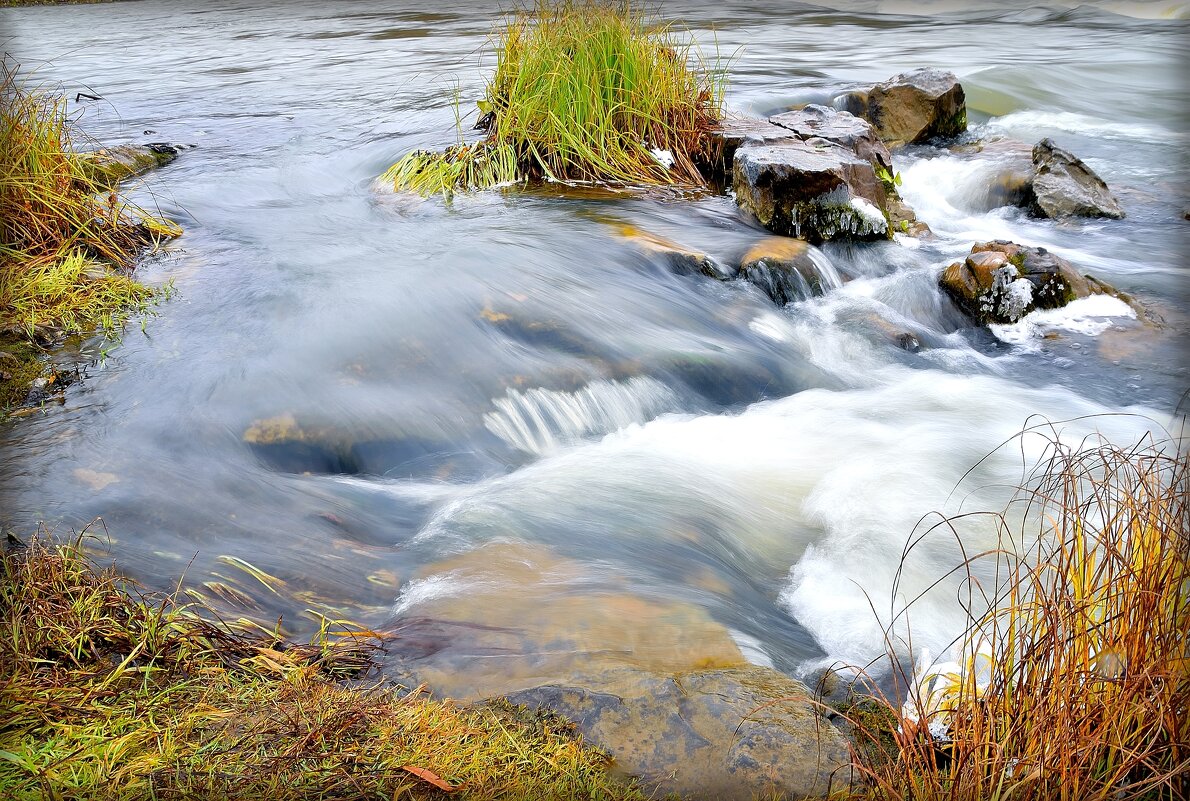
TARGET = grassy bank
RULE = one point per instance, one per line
(584, 91)
(110, 694)
(68, 238)
(1076, 685)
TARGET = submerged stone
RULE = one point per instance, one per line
(726, 734)
(509, 616)
(682, 260)
(111, 165)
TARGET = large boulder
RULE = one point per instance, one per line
(917, 106)
(1001, 282)
(724, 734)
(787, 270)
(1063, 186)
(813, 189)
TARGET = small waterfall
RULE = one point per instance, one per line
(541, 420)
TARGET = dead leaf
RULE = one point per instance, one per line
(431, 777)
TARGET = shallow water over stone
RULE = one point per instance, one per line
(380, 400)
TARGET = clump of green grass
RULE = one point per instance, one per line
(584, 91)
(110, 694)
(1075, 683)
(67, 239)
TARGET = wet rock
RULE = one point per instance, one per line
(858, 136)
(1063, 186)
(917, 106)
(111, 165)
(680, 259)
(839, 127)
(854, 102)
(729, 134)
(813, 189)
(1000, 282)
(510, 616)
(726, 734)
(785, 270)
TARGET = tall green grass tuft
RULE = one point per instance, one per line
(107, 695)
(67, 240)
(584, 91)
(1075, 685)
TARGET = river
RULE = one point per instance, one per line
(501, 415)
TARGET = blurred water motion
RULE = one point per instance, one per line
(499, 418)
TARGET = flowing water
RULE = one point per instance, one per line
(499, 414)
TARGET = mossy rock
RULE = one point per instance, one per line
(111, 165)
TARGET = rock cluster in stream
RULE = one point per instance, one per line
(819, 173)
(1001, 282)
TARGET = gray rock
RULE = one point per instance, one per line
(725, 734)
(839, 127)
(1063, 186)
(729, 134)
(858, 136)
(918, 106)
(813, 189)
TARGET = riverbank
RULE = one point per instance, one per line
(1071, 686)
(110, 693)
(69, 238)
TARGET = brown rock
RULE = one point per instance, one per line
(785, 270)
(918, 106)
(1000, 282)
(728, 735)
(681, 259)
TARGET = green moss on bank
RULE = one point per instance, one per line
(114, 695)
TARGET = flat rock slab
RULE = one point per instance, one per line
(729, 735)
(918, 106)
(1063, 186)
(679, 258)
(729, 134)
(839, 127)
(813, 189)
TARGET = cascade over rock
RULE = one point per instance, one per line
(785, 270)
